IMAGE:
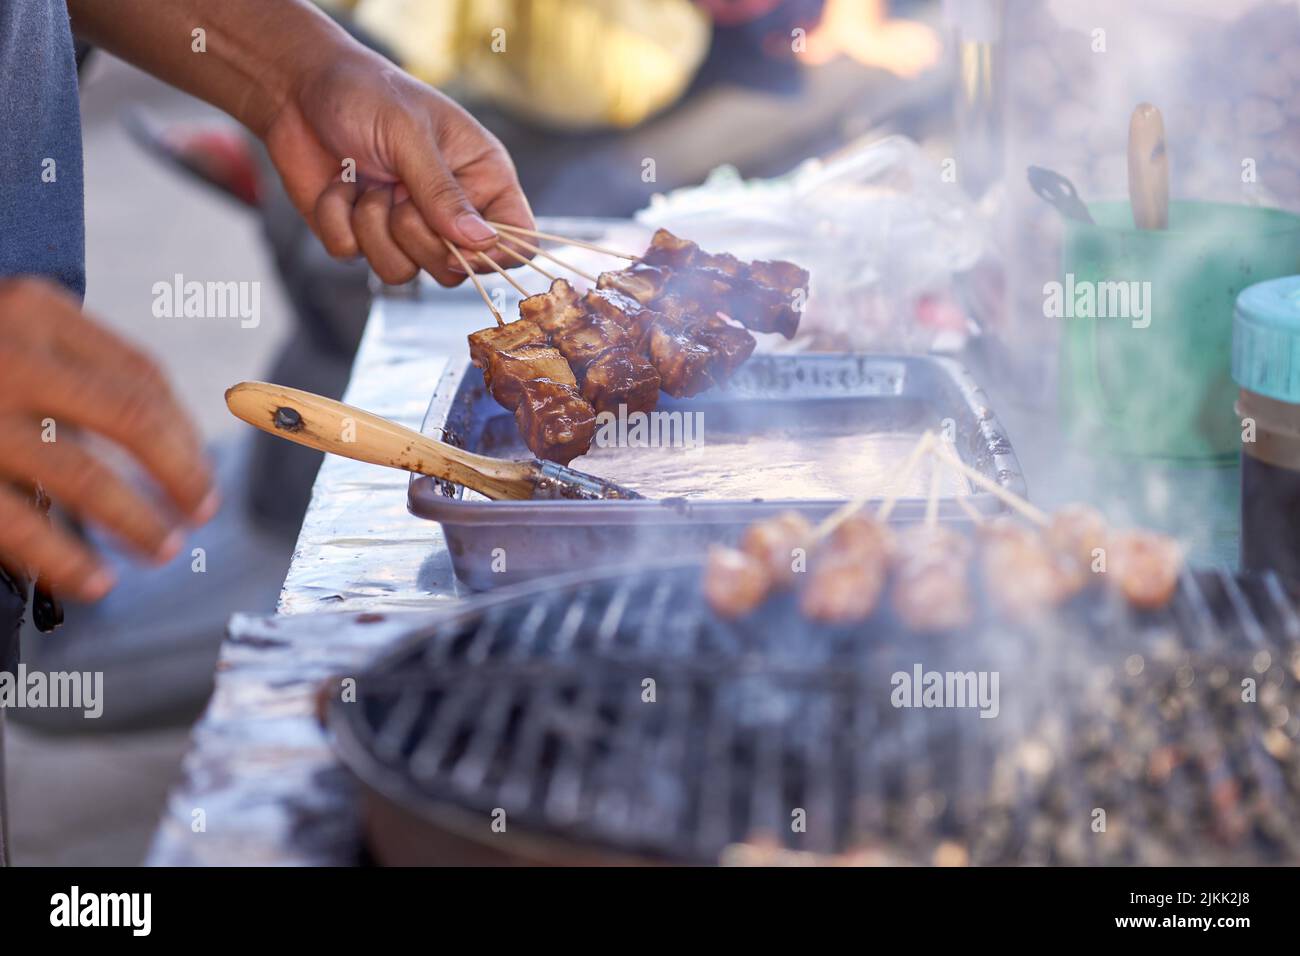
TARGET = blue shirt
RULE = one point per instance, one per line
(42, 218)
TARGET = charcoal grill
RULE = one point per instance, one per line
(530, 701)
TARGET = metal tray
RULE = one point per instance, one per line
(818, 410)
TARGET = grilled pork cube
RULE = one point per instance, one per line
(665, 249)
(731, 345)
(777, 274)
(636, 319)
(555, 421)
(1078, 531)
(685, 365)
(621, 376)
(762, 309)
(509, 336)
(553, 311)
(639, 281)
(582, 342)
(509, 369)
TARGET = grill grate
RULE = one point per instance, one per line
(533, 703)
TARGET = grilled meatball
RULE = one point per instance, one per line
(931, 588)
(508, 370)
(735, 583)
(621, 377)
(1077, 531)
(556, 422)
(843, 588)
(1023, 574)
(1144, 566)
(848, 571)
(774, 541)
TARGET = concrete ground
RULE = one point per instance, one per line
(94, 800)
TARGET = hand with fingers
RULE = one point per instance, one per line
(62, 374)
(425, 170)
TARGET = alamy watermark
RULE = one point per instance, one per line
(1098, 300)
(180, 299)
(934, 689)
(63, 690)
(657, 429)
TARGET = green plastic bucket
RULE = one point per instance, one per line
(1145, 370)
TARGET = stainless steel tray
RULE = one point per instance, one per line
(805, 431)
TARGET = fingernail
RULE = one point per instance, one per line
(473, 228)
(207, 508)
(170, 547)
(456, 268)
(98, 585)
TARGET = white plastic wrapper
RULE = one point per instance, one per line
(881, 228)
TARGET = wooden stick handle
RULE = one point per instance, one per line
(1148, 168)
(330, 426)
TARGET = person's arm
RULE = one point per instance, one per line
(318, 99)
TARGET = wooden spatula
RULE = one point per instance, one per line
(327, 425)
(1148, 168)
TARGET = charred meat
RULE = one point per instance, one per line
(621, 376)
(509, 369)
(556, 422)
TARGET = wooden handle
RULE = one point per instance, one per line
(1148, 168)
(327, 425)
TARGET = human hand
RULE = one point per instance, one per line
(425, 169)
(60, 373)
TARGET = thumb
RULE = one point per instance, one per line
(440, 199)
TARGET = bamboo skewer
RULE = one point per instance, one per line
(524, 260)
(992, 487)
(922, 448)
(932, 500)
(536, 250)
(537, 234)
(849, 508)
(473, 278)
(502, 273)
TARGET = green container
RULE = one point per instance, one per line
(1155, 380)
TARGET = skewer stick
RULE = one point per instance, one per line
(932, 500)
(922, 448)
(849, 508)
(536, 250)
(971, 511)
(473, 278)
(524, 259)
(992, 487)
(536, 234)
(502, 273)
